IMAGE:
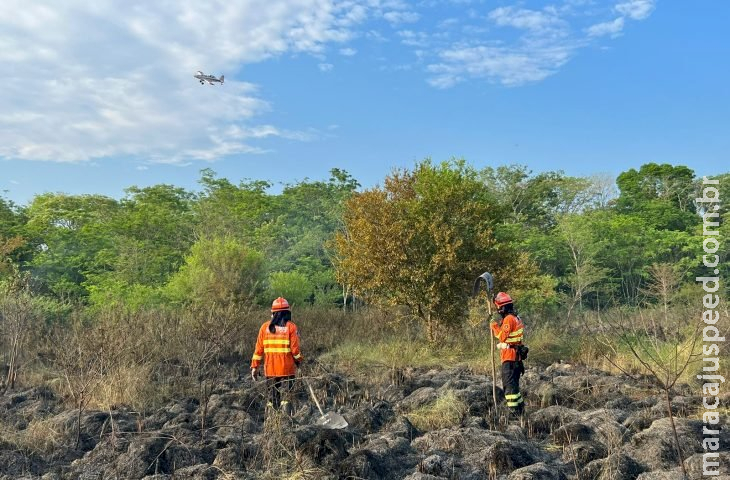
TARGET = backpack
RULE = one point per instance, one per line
(522, 351)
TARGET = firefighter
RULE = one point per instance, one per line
(510, 334)
(278, 346)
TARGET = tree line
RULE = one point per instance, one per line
(561, 243)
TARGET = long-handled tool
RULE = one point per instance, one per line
(486, 277)
(331, 420)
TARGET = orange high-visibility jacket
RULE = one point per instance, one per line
(511, 333)
(278, 350)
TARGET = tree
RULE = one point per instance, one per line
(218, 271)
(11, 242)
(18, 320)
(153, 232)
(583, 245)
(293, 286)
(663, 195)
(421, 240)
(664, 343)
(7, 247)
(69, 235)
(233, 211)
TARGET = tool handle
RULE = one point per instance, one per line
(314, 397)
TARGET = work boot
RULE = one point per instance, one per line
(286, 408)
(517, 415)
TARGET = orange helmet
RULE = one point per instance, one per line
(502, 299)
(279, 304)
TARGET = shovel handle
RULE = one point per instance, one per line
(314, 397)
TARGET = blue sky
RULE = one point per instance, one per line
(100, 97)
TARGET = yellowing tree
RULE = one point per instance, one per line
(420, 241)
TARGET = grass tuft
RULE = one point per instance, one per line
(40, 436)
(447, 411)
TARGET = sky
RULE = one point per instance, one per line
(100, 96)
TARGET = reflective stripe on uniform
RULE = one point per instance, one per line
(277, 341)
(513, 340)
(517, 333)
(514, 399)
(277, 350)
(257, 357)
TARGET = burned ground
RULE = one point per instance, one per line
(581, 424)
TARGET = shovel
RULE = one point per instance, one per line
(330, 420)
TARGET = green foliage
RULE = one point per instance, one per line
(293, 286)
(70, 235)
(662, 195)
(218, 271)
(553, 240)
(153, 233)
(422, 239)
(109, 291)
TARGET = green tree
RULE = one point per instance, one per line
(662, 195)
(293, 286)
(583, 244)
(152, 233)
(70, 235)
(218, 271)
(235, 211)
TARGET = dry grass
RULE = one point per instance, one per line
(40, 436)
(278, 458)
(129, 385)
(447, 411)
(147, 357)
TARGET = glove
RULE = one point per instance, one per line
(253, 374)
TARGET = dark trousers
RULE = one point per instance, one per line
(511, 373)
(279, 388)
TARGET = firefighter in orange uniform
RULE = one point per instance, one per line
(278, 346)
(513, 352)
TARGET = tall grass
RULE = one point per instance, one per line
(144, 358)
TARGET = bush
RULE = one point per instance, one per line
(293, 286)
(218, 271)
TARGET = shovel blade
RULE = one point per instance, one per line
(332, 421)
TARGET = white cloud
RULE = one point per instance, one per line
(396, 17)
(326, 67)
(414, 39)
(539, 43)
(542, 46)
(534, 20)
(613, 28)
(510, 67)
(87, 80)
(448, 23)
(348, 52)
(636, 9)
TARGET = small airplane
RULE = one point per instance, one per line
(207, 78)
